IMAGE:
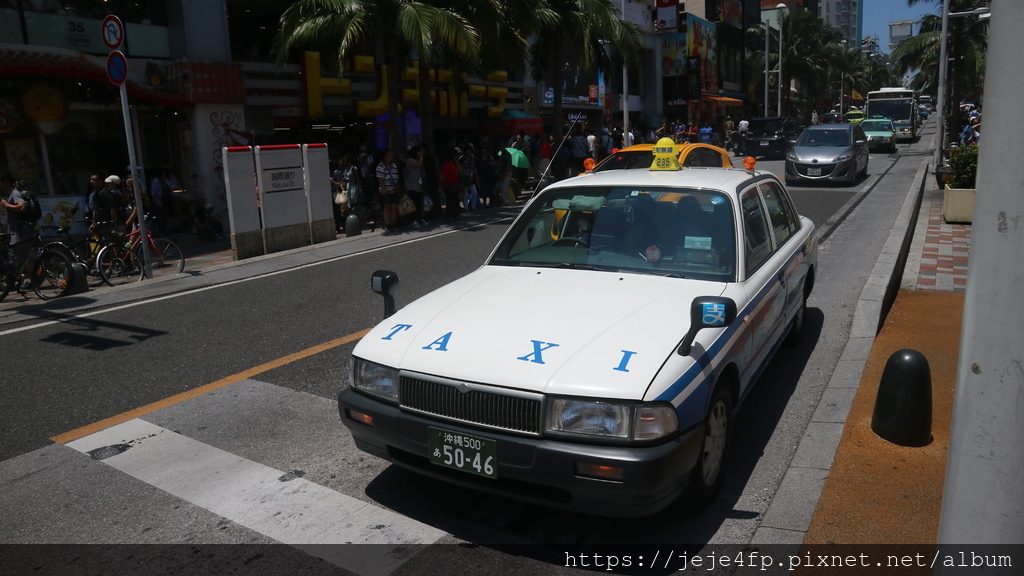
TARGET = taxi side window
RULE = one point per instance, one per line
(755, 230)
(780, 211)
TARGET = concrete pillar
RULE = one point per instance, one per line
(983, 500)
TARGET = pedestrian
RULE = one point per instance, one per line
(339, 193)
(431, 183)
(414, 183)
(470, 178)
(161, 190)
(451, 184)
(592, 144)
(94, 186)
(546, 153)
(19, 228)
(107, 211)
(580, 152)
(814, 116)
(388, 188)
(486, 163)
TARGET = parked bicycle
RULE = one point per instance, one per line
(82, 251)
(123, 260)
(46, 269)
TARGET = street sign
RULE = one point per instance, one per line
(112, 32)
(117, 67)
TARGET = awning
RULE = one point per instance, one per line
(725, 100)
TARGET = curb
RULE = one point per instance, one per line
(789, 516)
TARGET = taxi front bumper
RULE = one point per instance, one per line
(534, 469)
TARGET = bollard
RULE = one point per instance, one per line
(353, 227)
(903, 407)
(79, 280)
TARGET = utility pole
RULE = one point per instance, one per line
(983, 500)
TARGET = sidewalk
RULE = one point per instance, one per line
(878, 492)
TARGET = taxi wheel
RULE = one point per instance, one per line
(706, 478)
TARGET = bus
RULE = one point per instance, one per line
(898, 105)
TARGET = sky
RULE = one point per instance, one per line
(878, 14)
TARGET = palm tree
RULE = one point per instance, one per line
(966, 41)
(583, 25)
(809, 50)
(397, 28)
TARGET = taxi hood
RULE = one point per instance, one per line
(575, 332)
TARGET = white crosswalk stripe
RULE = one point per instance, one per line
(290, 510)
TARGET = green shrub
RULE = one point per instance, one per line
(964, 162)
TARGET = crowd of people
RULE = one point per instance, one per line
(417, 185)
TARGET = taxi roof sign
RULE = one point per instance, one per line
(666, 157)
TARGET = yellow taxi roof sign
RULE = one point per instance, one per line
(666, 157)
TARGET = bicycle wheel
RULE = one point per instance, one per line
(166, 259)
(86, 250)
(51, 275)
(118, 265)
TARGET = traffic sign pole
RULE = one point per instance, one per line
(112, 34)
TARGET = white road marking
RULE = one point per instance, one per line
(297, 511)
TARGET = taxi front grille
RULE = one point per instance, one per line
(473, 406)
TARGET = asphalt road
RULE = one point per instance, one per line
(242, 365)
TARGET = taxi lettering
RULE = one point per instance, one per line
(538, 347)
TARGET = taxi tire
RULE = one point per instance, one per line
(706, 477)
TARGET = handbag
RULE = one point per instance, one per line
(341, 198)
(405, 205)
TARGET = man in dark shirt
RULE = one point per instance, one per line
(108, 203)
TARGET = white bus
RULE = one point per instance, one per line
(898, 105)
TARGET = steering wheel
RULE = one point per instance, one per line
(571, 240)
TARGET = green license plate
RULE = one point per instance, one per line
(463, 452)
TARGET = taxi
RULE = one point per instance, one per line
(690, 154)
(650, 301)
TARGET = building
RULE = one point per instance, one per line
(846, 15)
(199, 78)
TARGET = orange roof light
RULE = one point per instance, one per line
(749, 162)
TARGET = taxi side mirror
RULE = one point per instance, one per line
(385, 283)
(707, 312)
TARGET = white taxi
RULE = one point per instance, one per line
(647, 302)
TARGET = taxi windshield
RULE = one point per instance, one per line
(678, 232)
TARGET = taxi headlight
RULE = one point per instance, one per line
(611, 420)
(374, 379)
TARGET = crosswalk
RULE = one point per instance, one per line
(280, 504)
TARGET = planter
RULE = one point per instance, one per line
(958, 205)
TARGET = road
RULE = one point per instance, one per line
(225, 382)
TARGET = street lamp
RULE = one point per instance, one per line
(943, 63)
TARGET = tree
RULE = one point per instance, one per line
(966, 45)
(396, 28)
(584, 25)
(809, 50)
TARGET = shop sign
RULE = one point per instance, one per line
(44, 102)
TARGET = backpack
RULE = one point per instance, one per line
(33, 211)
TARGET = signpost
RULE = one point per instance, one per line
(112, 34)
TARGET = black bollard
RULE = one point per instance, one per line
(79, 278)
(353, 226)
(903, 407)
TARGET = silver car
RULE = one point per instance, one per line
(829, 152)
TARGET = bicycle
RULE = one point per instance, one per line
(83, 251)
(49, 270)
(122, 260)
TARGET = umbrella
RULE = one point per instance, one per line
(519, 160)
